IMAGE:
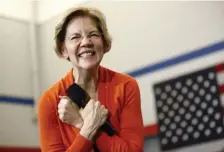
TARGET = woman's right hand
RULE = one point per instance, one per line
(69, 112)
(94, 116)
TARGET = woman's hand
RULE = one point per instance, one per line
(69, 112)
(94, 116)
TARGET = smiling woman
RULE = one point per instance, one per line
(82, 38)
(91, 46)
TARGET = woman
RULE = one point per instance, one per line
(82, 38)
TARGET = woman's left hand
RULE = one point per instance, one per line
(69, 112)
(94, 116)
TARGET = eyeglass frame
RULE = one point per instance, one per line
(80, 37)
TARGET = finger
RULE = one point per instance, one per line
(79, 125)
(61, 111)
(74, 105)
(106, 111)
(102, 107)
(65, 104)
(65, 100)
(91, 101)
(61, 117)
(61, 105)
(103, 120)
(90, 105)
(64, 117)
(97, 104)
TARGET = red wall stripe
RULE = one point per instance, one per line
(19, 149)
(151, 130)
(220, 67)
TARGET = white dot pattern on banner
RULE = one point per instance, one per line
(181, 111)
(196, 134)
(168, 134)
(179, 98)
(190, 95)
(211, 75)
(213, 89)
(189, 82)
(199, 113)
(174, 93)
(177, 118)
(197, 100)
(215, 102)
(189, 109)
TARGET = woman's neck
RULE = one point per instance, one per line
(87, 79)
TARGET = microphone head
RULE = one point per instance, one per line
(77, 95)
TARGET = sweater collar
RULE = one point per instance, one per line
(70, 79)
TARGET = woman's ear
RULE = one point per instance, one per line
(107, 48)
(64, 52)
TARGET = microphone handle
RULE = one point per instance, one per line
(108, 128)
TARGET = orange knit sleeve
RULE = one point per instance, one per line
(131, 136)
(50, 135)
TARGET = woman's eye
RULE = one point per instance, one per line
(94, 34)
(75, 37)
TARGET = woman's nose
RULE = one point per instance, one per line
(86, 41)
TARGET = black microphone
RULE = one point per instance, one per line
(80, 97)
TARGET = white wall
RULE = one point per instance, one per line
(17, 75)
(15, 9)
(17, 128)
(48, 9)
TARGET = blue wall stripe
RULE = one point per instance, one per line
(179, 59)
(139, 72)
(16, 100)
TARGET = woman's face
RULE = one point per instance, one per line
(83, 43)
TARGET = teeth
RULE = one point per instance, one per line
(87, 54)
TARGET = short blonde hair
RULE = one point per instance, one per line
(95, 14)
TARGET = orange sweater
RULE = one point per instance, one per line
(121, 96)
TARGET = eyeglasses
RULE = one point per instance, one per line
(78, 37)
